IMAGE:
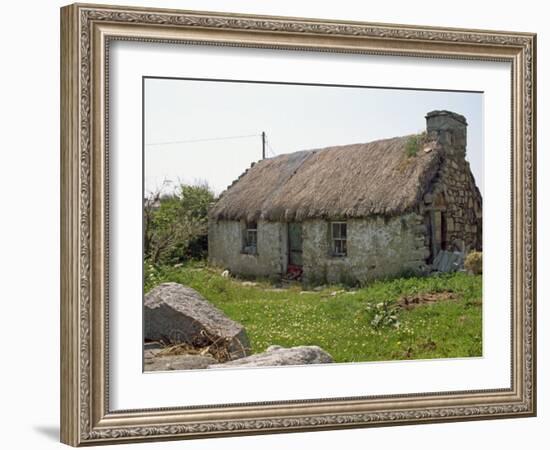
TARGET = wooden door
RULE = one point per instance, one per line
(295, 244)
(436, 223)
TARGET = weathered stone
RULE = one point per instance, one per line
(177, 362)
(418, 254)
(177, 314)
(448, 261)
(149, 353)
(281, 356)
(153, 345)
(450, 225)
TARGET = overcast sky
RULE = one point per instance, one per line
(293, 117)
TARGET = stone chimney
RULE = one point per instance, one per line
(449, 129)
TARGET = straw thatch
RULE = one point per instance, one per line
(349, 181)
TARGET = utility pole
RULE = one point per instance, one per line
(263, 144)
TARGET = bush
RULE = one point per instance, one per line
(474, 263)
(176, 225)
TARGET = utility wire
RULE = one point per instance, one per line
(202, 140)
(270, 149)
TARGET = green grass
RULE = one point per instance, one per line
(412, 146)
(342, 324)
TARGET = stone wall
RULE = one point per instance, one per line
(461, 205)
(454, 191)
(225, 248)
(377, 248)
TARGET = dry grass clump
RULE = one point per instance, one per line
(203, 344)
(474, 263)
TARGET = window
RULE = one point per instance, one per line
(250, 244)
(339, 233)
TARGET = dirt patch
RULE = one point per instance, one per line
(412, 301)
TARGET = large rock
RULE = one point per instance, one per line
(280, 356)
(175, 313)
(153, 361)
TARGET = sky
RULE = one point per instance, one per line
(210, 131)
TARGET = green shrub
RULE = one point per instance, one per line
(383, 314)
(474, 263)
(176, 225)
(412, 146)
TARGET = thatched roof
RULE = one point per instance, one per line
(359, 180)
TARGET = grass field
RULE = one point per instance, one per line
(366, 324)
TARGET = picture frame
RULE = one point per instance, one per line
(87, 32)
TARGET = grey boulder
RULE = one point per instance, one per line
(281, 356)
(155, 362)
(175, 314)
(446, 261)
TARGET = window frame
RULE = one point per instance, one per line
(342, 239)
(250, 229)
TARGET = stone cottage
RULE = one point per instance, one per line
(352, 213)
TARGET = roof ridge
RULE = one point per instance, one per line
(334, 147)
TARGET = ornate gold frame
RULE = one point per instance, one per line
(86, 31)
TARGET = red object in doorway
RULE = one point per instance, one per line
(294, 272)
